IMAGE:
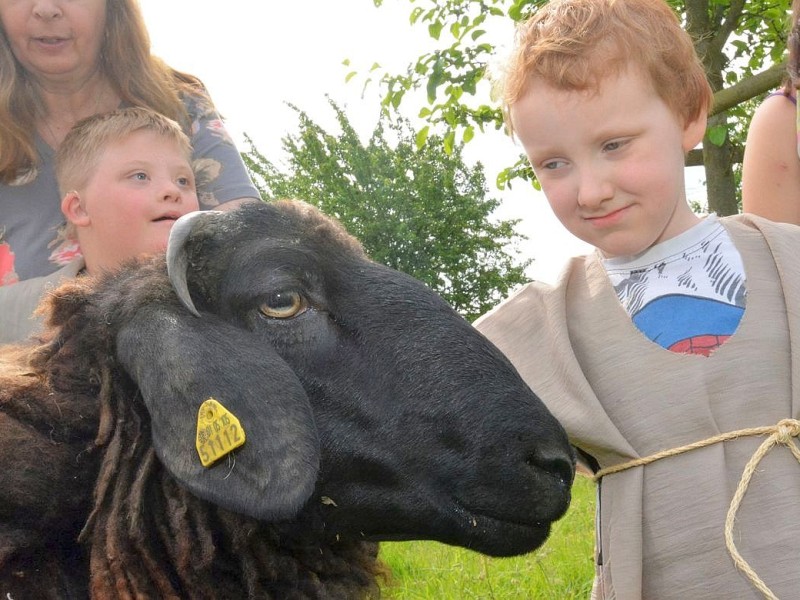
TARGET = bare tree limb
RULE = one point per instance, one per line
(695, 156)
(748, 88)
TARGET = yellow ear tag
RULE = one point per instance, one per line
(218, 432)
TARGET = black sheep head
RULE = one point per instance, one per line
(370, 407)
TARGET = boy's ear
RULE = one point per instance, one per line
(73, 209)
(694, 131)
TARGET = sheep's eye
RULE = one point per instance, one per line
(283, 305)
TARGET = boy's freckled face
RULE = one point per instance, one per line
(610, 163)
(141, 185)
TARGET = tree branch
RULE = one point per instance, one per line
(728, 24)
(748, 88)
(695, 156)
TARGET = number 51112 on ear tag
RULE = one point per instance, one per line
(219, 432)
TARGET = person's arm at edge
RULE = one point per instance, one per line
(771, 167)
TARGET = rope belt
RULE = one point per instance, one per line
(782, 433)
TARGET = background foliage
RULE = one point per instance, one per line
(415, 208)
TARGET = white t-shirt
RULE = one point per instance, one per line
(687, 294)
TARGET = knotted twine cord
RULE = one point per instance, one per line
(782, 433)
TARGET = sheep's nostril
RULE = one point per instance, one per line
(556, 463)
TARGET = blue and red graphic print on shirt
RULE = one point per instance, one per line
(686, 294)
(688, 324)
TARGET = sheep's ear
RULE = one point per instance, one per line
(180, 362)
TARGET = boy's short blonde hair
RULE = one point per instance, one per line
(81, 149)
(575, 44)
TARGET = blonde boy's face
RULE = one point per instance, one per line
(611, 163)
(140, 186)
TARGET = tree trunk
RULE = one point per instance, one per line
(718, 160)
(720, 182)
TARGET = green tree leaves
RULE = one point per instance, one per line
(414, 206)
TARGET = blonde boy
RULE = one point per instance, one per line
(675, 330)
(125, 177)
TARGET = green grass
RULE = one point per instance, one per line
(560, 570)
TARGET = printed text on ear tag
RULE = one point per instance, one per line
(218, 432)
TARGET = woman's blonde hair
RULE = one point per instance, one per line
(81, 149)
(139, 79)
(575, 44)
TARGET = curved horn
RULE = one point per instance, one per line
(177, 259)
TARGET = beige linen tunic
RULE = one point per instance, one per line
(621, 396)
